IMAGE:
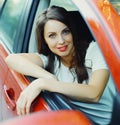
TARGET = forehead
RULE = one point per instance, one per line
(54, 25)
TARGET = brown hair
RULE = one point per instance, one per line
(79, 41)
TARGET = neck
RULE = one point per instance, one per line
(66, 61)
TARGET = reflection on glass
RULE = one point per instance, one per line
(9, 19)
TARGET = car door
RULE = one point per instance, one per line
(16, 21)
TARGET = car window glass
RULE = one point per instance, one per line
(9, 19)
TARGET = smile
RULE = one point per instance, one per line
(63, 48)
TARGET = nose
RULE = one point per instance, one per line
(61, 39)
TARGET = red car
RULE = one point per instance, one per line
(17, 27)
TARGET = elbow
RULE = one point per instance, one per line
(95, 95)
(95, 98)
(8, 59)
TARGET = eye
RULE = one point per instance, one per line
(66, 31)
(52, 35)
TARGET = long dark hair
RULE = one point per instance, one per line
(80, 44)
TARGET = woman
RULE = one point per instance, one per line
(66, 64)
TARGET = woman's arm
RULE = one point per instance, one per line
(90, 92)
(28, 64)
(82, 92)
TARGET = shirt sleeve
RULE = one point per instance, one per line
(44, 60)
(95, 57)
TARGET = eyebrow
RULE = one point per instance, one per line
(50, 32)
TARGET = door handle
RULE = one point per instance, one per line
(9, 97)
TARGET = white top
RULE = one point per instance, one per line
(98, 112)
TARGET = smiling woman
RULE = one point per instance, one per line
(73, 73)
(66, 64)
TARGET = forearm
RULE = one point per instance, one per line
(90, 92)
(81, 92)
(26, 67)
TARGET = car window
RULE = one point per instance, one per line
(9, 19)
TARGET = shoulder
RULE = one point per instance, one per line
(44, 59)
(93, 46)
(92, 50)
(94, 57)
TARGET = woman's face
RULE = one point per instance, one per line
(58, 38)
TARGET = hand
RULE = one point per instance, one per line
(27, 96)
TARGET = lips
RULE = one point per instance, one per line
(63, 48)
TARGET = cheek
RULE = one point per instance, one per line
(51, 44)
(69, 38)
(52, 48)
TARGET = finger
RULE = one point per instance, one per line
(17, 107)
(23, 106)
(21, 103)
(28, 107)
